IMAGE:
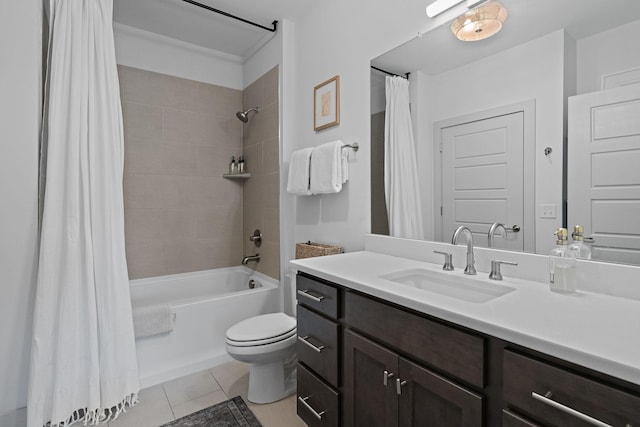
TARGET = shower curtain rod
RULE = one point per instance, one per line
(406, 76)
(209, 8)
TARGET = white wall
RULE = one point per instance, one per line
(340, 38)
(153, 52)
(534, 70)
(606, 53)
(20, 88)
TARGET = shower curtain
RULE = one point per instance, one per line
(400, 170)
(83, 359)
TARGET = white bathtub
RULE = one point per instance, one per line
(206, 304)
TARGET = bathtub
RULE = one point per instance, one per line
(205, 304)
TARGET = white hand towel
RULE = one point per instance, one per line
(298, 182)
(345, 164)
(326, 168)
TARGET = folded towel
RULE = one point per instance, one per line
(326, 168)
(152, 320)
(298, 182)
(345, 165)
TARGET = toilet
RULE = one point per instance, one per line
(268, 343)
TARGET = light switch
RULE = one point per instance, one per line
(548, 211)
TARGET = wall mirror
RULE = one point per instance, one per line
(545, 79)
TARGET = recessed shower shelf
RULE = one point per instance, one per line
(237, 175)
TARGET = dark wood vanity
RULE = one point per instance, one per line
(363, 361)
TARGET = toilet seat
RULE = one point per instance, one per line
(261, 330)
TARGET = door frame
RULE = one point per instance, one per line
(528, 109)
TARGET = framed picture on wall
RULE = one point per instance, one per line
(326, 109)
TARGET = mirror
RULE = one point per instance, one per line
(547, 52)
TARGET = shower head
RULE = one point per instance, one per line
(244, 115)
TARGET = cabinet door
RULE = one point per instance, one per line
(367, 401)
(429, 400)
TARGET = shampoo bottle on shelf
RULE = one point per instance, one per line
(241, 165)
(562, 265)
(232, 166)
(582, 250)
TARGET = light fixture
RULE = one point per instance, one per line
(439, 6)
(480, 23)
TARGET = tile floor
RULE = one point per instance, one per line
(174, 399)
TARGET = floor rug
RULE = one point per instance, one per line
(232, 413)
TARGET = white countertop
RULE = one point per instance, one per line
(593, 330)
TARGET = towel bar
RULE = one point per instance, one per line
(354, 146)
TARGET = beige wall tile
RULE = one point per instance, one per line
(253, 159)
(189, 127)
(224, 220)
(147, 87)
(141, 191)
(252, 95)
(143, 122)
(271, 223)
(144, 258)
(214, 161)
(270, 86)
(179, 224)
(270, 260)
(271, 195)
(143, 223)
(271, 155)
(262, 126)
(180, 214)
(218, 100)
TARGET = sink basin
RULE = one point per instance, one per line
(463, 288)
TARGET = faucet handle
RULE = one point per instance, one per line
(448, 260)
(495, 269)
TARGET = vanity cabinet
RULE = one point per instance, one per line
(367, 362)
(384, 386)
(385, 389)
(319, 351)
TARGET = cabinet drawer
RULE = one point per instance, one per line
(318, 344)
(317, 295)
(447, 349)
(509, 419)
(317, 403)
(527, 381)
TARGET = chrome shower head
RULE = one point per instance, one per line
(244, 115)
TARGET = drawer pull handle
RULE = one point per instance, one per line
(305, 293)
(399, 384)
(559, 406)
(317, 414)
(387, 375)
(315, 348)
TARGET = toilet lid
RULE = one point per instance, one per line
(261, 329)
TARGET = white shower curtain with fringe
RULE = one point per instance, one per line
(83, 358)
(400, 166)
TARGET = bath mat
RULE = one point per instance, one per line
(232, 413)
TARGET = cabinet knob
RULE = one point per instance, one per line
(387, 375)
(399, 384)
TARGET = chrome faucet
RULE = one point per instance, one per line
(247, 259)
(492, 231)
(470, 268)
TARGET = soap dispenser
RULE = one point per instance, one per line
(578, 246)
(562, 265)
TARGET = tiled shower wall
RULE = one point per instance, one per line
(261, 192)
(180, 214)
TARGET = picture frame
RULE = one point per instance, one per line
(326, 104)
